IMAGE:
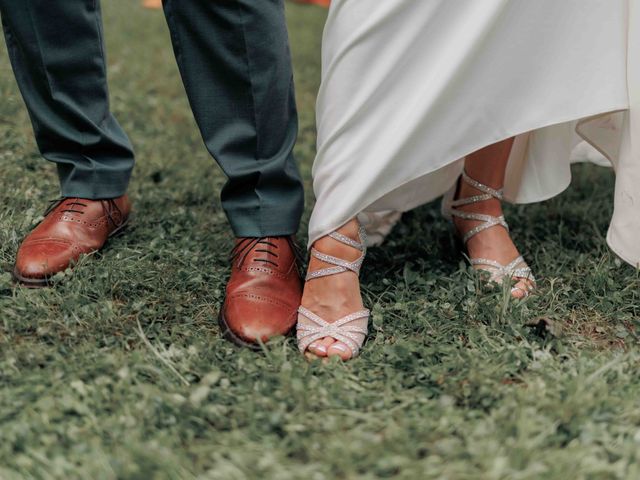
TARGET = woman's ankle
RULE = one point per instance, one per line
(334, 248)
(491, 207)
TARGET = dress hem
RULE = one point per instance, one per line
(580, 119)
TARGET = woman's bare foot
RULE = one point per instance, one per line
(335, 296)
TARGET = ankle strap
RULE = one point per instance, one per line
(487, 221)
(499, 194)
(487, 192)
(340, 265)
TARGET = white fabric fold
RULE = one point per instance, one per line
(410, 87)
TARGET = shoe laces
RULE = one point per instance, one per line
(110, 207)
(248, 245)
(76, 205)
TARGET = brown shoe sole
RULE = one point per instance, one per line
(46, 282)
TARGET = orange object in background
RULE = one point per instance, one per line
(322, 3)
(152, 4)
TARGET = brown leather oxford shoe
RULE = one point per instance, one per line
(264, 291)
(71, 227)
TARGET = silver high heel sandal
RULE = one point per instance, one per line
(515, 270)
(351, 329)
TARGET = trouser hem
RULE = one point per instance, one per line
(264, 222)
(94, 191)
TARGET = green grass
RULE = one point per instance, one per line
(120, 371)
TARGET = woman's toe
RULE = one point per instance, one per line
(321, 347)
(341, 350)
(521, 289)
(517, 293)
(318, 349)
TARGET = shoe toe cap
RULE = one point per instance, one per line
(43, 259)
(253, 317)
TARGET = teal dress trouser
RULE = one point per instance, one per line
(234, 60)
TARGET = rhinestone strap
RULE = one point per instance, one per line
(518, 268)
(340, 265)
(499, 194)
(347, 329)
(487, 221)
(469, 200)
(349, 241)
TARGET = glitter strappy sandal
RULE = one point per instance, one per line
(351, 329)
(514, 270)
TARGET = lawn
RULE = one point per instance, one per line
(120, 372)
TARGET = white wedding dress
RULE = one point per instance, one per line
(410, 87)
